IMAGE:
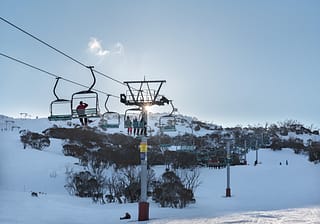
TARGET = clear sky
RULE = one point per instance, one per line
(229, 62)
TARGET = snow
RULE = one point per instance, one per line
(304, 137)
(266, 193)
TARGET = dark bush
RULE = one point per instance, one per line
(74, 150)
(89, 138)
(184, 160)
(296, 144)
(34, 140)
(84, 184)
(132, 192)
(276, 143)
(314, 152)
(170, 192)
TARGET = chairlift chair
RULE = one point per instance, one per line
(167, 123)
(59, 108)
(87, 96)
(109, 119)
(132, 113)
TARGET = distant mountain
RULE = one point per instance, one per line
(4, 117)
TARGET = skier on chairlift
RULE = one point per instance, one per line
(82, 114)
(143, 127)
(135, 126)
(129, 125)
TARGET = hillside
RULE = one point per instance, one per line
(187, 134)
(267, 192)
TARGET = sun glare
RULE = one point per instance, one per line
(148, 108)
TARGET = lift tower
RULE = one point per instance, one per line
(144, 94)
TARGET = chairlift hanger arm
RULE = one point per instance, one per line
(94, 77)
(93, 84)
(173, 108)
(54, 88)
(105, 104)
(55, 93)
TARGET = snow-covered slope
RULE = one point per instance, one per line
(267, 193)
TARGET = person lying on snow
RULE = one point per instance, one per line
(126, 216)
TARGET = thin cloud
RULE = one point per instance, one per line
(96, 48)
(118, 48)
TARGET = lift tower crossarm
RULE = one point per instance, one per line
(141, 98)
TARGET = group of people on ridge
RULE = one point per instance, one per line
(138, 127)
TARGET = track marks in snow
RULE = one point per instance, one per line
(289, 216)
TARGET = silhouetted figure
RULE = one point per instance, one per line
(126, 216)
(135, 125)
(143, 127)
(81, 110)
(129, 125)
(287, 163)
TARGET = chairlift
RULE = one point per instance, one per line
(59, 108)
(109, 119)
(167, 123)
(89, 97)
(132, 113)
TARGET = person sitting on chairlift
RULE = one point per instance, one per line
(143, 126)
(129, 125)
(82, 114)
(135, 126)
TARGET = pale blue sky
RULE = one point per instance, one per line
(230, 62)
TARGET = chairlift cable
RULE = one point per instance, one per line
(57, 50)
(41, 41)
(53, 75)
(66, 55)
(109, 77)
